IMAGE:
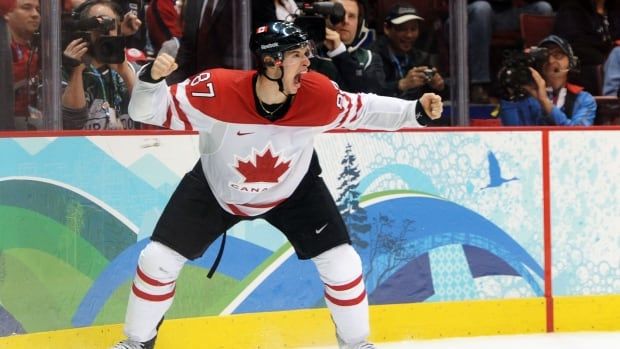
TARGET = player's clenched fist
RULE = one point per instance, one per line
(163, 66)
(432, 104)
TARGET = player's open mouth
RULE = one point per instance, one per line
(297, 78)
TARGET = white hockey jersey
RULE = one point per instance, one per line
(250, 162)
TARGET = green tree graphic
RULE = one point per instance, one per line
(353, 215)
(75, 223)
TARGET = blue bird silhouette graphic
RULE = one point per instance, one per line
(495, 173)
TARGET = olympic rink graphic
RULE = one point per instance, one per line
(437, 218)
(586, 340)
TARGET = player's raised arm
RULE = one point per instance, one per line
(150, 99)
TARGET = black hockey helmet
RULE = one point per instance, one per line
(275, 38)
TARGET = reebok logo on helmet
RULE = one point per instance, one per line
(268, 46)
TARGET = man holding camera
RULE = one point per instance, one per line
(98, 77)
(552, 100)
(359, 69)
(408, 71)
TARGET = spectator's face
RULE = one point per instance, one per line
(348, 28)
(24, 20)
(105, 12)
(557, 64)
(402, 36)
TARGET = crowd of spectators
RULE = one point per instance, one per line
(391, 61)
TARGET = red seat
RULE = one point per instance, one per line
(535, 28)
(607, 110)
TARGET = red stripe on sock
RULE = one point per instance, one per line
(345, 287)
(346, 302)
(150, 281)
(152, 297)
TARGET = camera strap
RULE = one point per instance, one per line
(108, 90)
(398, 63)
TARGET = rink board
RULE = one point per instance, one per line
(390, 323)
(497, 231)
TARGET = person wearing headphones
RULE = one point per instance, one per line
(256, 131)
(552, 100)
(96, 93)
(358, 69)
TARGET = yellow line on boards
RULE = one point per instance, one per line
(307, 328)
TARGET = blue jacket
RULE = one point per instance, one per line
(528, 112)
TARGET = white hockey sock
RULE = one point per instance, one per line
(345, 294)
(152, 291)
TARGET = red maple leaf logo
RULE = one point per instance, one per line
(264, 168)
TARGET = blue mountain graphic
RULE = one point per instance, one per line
(153, 171)
(88, 164)
(123, 268)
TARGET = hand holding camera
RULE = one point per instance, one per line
(416, 77)
(74, 53)
(332, 39)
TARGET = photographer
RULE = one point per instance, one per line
(98, 86)
(359, 69)
(408, 71)
(552, 100)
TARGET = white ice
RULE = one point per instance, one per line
(575, 340)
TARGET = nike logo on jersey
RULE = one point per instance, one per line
(239, 133)
(318, 231)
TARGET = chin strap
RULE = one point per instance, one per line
(278, 80)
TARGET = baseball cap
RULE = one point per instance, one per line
(400, 14)
(563, 45)
(556, 40)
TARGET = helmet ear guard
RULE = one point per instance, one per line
(271, 61)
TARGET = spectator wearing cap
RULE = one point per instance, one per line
(484, 17)
(408, 71)
(552, 100)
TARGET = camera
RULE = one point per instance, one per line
(515, 71)
(313, 18)
(105, 48)
(429, 73)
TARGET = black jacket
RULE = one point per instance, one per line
(417, 58)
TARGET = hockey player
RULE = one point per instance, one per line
(257, 161)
